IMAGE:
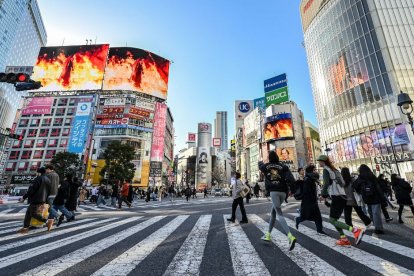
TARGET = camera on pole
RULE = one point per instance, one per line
(21, 81)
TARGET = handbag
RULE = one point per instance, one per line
(245, 191)
(43, 211)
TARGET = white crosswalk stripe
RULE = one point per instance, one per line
(22, 211)
(9, 224)
(245, 259)
(189, 252)
(6, 211)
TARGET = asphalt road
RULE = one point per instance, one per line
(180, 238)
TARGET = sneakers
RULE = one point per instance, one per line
(49, 224)
(292, 242)
(343, 242)
(358, 234)
(244, 221)
(23, 231)
(388, 220)
(266, 237)
(60, 221)
(71, 218)
(230, 220)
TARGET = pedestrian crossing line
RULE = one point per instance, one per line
(390, 246)
(300, 255)
(188, 259)
(6, 211)
(52, 234)
(79, 209)
(33, 252)
(10, 230)
(107, 207)
(92, 208)
(365, 258)
(35, 231)
(8, 224)
(127, 261)
(23, 210)
(245, 259)
(58, 265)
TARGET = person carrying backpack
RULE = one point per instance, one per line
(367, 185)
(402, 191)
(278, 179)
(333, 186)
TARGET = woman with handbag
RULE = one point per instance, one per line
(353, 200)
(309, 209)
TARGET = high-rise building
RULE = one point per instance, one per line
(23, 33)
(360, 55)
(220, 129)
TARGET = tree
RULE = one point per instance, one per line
(118, 165)
(66, 162)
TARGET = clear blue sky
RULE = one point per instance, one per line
(221, 50)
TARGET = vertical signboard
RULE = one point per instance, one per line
(260, 103)
(157, 148)
(80, 127)
(276, 91)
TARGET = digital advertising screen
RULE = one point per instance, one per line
(137, 70)
(279, 127)
(71, 67)
(287, 156)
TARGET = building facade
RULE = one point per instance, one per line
(22, 35)
(360, 55)
(313, 143)
(220, 129)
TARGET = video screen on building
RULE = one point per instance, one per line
(278, 127)
(71, 67)
(137, 70)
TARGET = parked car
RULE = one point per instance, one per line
(218, 192)
(226, 192)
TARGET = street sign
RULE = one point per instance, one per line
(19, 69)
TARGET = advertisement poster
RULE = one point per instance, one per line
(157, 148)
(287, 156)
(137, 70)
(275, 83)
(203, 167)
(278, 127)
(216, 142)
(80, 127)
(38, 106)
(191, 137)
(71, 67)
(277, 96)
(260, 103)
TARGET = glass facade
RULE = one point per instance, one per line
(360, 54)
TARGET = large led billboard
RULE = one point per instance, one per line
(71, 67)
(278, 127)
(137, 70)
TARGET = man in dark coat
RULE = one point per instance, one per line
(60, 200)
(402, 191)
(72, 201)
(36, 195)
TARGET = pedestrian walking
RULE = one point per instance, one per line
(205, 192)
(237, 200)
(101, 196)
(130, 194)
(71, 203)
(148, 194)
(62, 196)
(278, 178)
(194, 191)
(115, 194)
(187, 193)
(385, 188)
(308, 193)
(171, 192)
(367, 185)
(82, 196)
(94, 195)
(249, 195)
(333, 187)
(353, 200)
(54, 182)
(256, 190)
(402, 191)
(124, 195)
(37, 195)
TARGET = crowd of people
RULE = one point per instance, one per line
(363, 192)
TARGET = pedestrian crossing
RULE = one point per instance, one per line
(131, 246)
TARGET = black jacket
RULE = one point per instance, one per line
(377, 196)
(62, 194)
(39, 190)
(402, 191)
(309, 209)
(278, 177)
(115, 190)
(72, 201)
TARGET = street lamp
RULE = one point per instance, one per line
(406, 106)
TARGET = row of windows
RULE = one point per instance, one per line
(39, 143)
(35, 132)
(24, 166)
(32, 154)
(56, 112)
(45, 122)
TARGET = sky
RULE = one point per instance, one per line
(221, 51)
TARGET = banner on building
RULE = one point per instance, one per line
(38, 106)
(275, 83)
(287, 156)
(242, 109)
(203, 166)
(277, 96)
(279, 127)
(155, 169)
(191, 137)
(157, 148)
(115, 101)
(260, 103)
(216, 142)
(80, 127)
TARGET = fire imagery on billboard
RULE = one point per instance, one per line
(278, 127)
(138, 70)
(71, 67)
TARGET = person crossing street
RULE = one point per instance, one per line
(124, 195)
(237, 200)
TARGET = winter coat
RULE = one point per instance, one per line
(187, 192)
(72, 201)
(115, 190)
(125, 190)
(377, 194)
(309, 209)
(130, 193)
(402, 192)
(256, 189)
(62, 194)
(278, 177)
(54, 181)
(39, 190)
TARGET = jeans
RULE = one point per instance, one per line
(277, 199)
(374, 211)
(100, 200)
(360, 213)
(31, 212)
(238, 201)
(114, 199)
(62, 209)
(123, 199)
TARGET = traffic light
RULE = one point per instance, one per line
(32, 85)
(14, 78)
(16, 136)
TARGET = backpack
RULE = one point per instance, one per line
(338, 179)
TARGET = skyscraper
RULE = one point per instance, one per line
(23, 33)
(360, 55)
(220, 129)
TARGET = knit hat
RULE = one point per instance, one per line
(322, 158)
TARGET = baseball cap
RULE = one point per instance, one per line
(322, 158)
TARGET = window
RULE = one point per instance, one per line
(62, 102)
(72, 102)
(16, 144)
(60, 112)
(55, 132)
(70, 111)
(32, 133)
(43, 133)
(46, 122)
(34, 165)
(23, 122)
(68, 121)
(66, 132)
(40, 143)
(52, 143)
(38, 154)
(58, 122)
(34, 122)
(50, 153)
(63, 142)
(26, 154)
(11, 166)
(23, 166)
(28, 143)
(14, 154)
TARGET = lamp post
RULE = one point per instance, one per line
(406, 106)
